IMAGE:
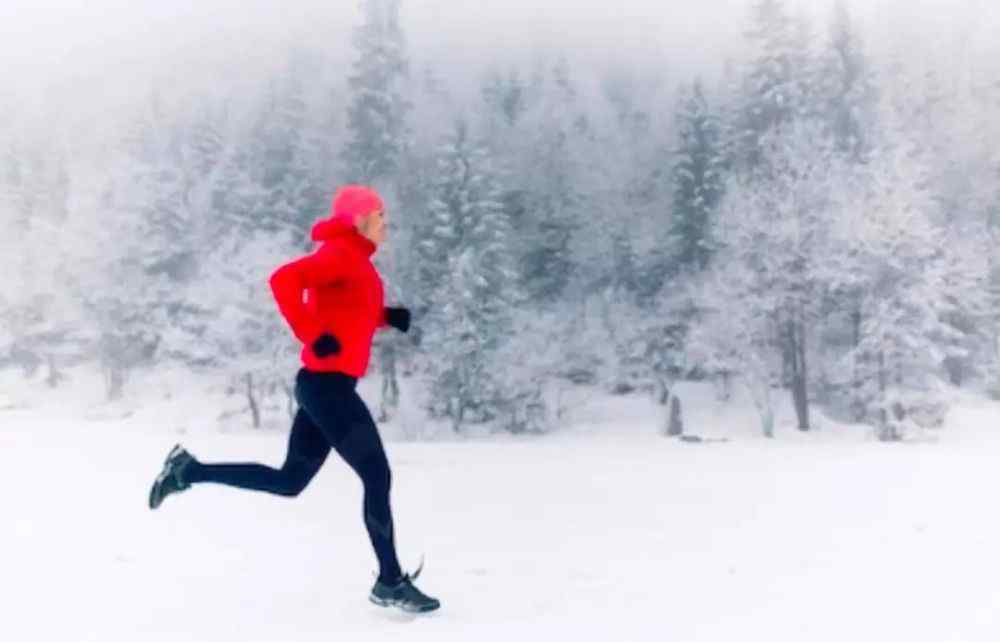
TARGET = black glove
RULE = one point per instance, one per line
(398, 318)
(326, 345)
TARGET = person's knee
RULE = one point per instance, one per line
(360, 444)
(294, 488)
(295, 481)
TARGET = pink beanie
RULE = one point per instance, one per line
(351, 202)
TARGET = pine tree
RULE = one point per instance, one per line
(143, 309)
(776, 84)
(236, 196)
(504, 96)
(846, 85)
(774, 224)
(283, 166)
(733, 336)
(34, 185)
(912, 285)
(17, 187)
(246, 340)
(993, 279)
(698, 178)
(466, 262)
(378, 144)
(545, 203)
(204, 156)
(377, 114)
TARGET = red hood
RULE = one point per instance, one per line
(331, 228)
(338, 228)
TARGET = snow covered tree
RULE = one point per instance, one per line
(992, 320)
(18, 194)
(529, 131)
(846, 85)
(236, 196)
(378, 143)
(992, 317)
(467, 269)
(698, 178)
(34, 186)
(504, 95)
(530, 362)
(283, 160)
(910, 282)
(775, 87)
(654, 353)
(734, 333)
(377, 114)
(775, 224)
(139, 296)
(247, 340)
(551, 200)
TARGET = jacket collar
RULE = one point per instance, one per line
(363, 245)
(335, 229)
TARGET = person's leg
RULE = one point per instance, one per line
(341, 414)
(362, 449)
(307, 450)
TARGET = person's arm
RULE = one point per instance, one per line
(290, 281)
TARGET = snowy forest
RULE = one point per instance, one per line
(818, 218)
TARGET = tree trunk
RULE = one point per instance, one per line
(290, 405)
(767, 423)
(54, 375)
(390, 382)
(675, 427)
(766, 411)
(795, 337)
(726, 391)
(457, 411)
(802, 407)
(857, 404)
(759, 385)
(666, 398)
(252, 400)
(787, 343)
(882, 416)
(886, 427)
(115, 380)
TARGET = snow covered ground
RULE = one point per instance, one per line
(601, 531)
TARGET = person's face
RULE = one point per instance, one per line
(372, 227)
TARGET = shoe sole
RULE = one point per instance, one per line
(402, 606)
(155, 498)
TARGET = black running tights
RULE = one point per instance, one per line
(331, 415)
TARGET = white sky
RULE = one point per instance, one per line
(61, 46)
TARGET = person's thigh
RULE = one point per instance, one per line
(308, 447)
(360, 444)
(332, 404)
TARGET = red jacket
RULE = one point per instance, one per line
(343, 296)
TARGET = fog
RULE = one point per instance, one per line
(100, 52)
(158, 160)
(729, 244)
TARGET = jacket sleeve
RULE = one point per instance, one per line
(290, 282)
